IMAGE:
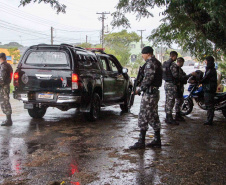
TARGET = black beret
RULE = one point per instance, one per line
(210, 62)
(210, 59)
(146, 50)
(3, 56)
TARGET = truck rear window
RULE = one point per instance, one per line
(47, 58)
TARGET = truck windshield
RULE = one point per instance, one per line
(47, 58)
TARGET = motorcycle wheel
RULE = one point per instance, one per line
(224, 112)
(201, 103)
(186, 107)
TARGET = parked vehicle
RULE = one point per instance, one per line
(196, 65)
(68, 77)
(196, 93)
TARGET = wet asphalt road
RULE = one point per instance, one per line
(63, 148)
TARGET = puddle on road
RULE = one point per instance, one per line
(67, 148)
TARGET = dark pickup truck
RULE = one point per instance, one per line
(68, 77)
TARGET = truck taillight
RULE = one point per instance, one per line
(16, 79)
(74, 79)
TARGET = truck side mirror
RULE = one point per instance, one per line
(124, 70)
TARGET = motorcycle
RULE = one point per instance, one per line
(197, 94)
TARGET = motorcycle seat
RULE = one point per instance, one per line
(220, 94)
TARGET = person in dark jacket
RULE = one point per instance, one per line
(209, 84)
(6, 72)
(171, 77)
(179, 99)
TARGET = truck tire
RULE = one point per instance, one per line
(94, 112)
(125, 106)
(187, 107)
(37, 112)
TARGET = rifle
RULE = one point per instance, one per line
(137, 81)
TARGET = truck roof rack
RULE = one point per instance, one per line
(77, 47)
(94, 50)
(63, 44)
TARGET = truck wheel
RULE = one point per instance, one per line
(186, 107)
(94, 113)
(37, 112)
(125, 106)
(224, 112)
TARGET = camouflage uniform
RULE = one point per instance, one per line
(5, 79)
(179, 99)
(149, 103)
(171, 89)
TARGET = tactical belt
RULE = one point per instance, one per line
(152, 90)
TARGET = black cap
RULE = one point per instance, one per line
(147, 49)
(3, 56)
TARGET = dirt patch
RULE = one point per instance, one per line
(63, 140)
(84, 177)
(115, 154)
(67, 131)
(40, 157)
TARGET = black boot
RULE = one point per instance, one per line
(210, 115)
(178, 117)
(156, 142)
(8, 121)
(141, 141)
(169, 119)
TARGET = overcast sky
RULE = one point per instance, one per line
(31, 24)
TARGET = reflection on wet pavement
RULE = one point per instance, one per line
(63, 148)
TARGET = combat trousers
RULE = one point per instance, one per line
(5, 104)
(209, 102)
(179, 99)
(149, 112)
(170, 90)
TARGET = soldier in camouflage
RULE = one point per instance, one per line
(6, 72)
(179, 99)
(152, 80)
(171, 77)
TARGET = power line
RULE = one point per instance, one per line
(14, 26)
(77, 31)
(16, 30)
(27, 16)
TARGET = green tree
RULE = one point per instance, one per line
(84, 45)
(120, 43)
(166, 55)
(15, 53)
(136, 64)
(198, 26)
(222, 66)
(55, 4)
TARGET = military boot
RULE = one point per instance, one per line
(141, 141)
(210, 115)
(8, 121)
(156, 142)
(178, 117)
(169, 119)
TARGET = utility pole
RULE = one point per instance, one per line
(102, 19)
(141, 33)
(51, 35)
